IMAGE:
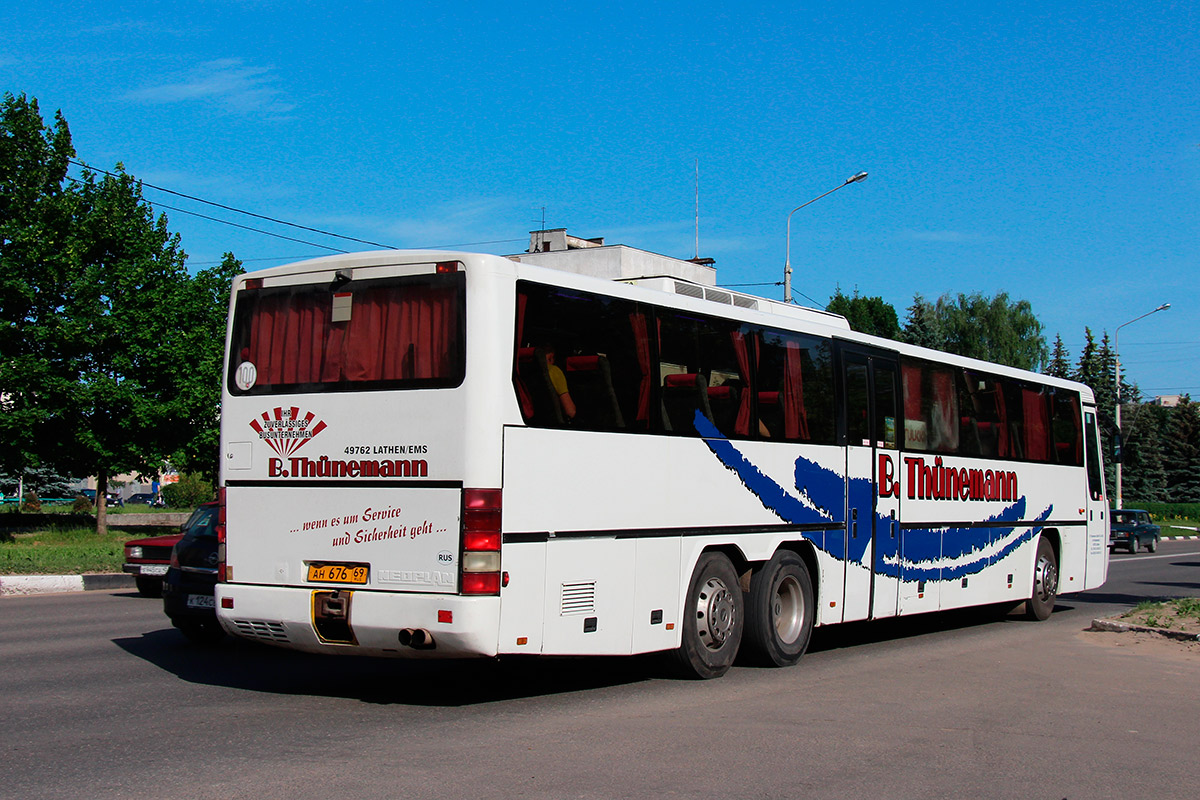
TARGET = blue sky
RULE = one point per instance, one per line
(1049, 150)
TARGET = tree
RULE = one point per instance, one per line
(993, 329)
(1143, 475)
(34, 220)
(923, 327)
(202, 347)
(1059, 365)
(1095, 370)
(1181, 454)
(121, 347)
(141, 355)
(42, 480)
(869, 315)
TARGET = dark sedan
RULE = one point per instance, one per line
(188, 597)
(1131, 528)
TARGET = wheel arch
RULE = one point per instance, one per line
(1053, 536)
(808, 554)
(744, 567)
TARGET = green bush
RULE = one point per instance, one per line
(31, 502)
(1168, 510)
(81, 505)
(188, 492)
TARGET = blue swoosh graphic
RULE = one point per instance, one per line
(932, 554)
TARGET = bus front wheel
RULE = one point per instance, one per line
(780, 610)
(1045, 582)
(713, 618)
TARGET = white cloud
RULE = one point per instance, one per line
(239, 87)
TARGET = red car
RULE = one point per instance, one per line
(147, 560)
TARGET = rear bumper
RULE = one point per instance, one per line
(282, 616)
(186, 599)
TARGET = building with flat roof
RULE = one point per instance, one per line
(556, 249)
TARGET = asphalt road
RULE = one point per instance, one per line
(99, 697)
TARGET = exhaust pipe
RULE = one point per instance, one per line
(416, 638)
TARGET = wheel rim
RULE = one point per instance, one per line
(787, 610)
(1045, 579)
(714, 613)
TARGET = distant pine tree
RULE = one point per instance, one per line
(1181, 453)
(923, 328)
(1143, 475)
(1059, 365)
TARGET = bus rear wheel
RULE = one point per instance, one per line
(713, 619)
(1045, 582)
(780, 611)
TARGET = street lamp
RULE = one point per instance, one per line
(787, 263)
(1117, 361)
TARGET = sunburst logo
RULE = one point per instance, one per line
(286, 430)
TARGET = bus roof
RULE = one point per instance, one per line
(677, 291)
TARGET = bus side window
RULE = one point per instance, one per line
(598, 346)
(916, 425)
(1094, 464)
(1035, 407)
(858, 430)
(885, 405)
(1068, 433)
(794, 383)
(704, 368)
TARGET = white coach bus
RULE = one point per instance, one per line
(431, 454)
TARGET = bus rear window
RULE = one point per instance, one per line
(398, 333)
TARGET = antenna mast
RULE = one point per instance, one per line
(697, 208)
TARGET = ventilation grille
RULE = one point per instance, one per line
(715, 295)
(262, 630)
(741, 301)
(578, 598)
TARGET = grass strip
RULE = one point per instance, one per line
(70, 551)
(1181, 613)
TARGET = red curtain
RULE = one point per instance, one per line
(795, 419)
(911, 378)
(1037, 425)
(394, 333)
(741, 425)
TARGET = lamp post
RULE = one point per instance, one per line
(1117, 363)
(787, 263)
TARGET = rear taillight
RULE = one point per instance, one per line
(175, 557)
(481, 541)
(222, 571)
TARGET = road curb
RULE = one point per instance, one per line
(1117, 626)
(12, 585)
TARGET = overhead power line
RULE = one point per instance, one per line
(242, 211)
(248, 228)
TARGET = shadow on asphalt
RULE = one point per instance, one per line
(853, 634)
(1109, 598)
(240, 664)
(245, 665)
